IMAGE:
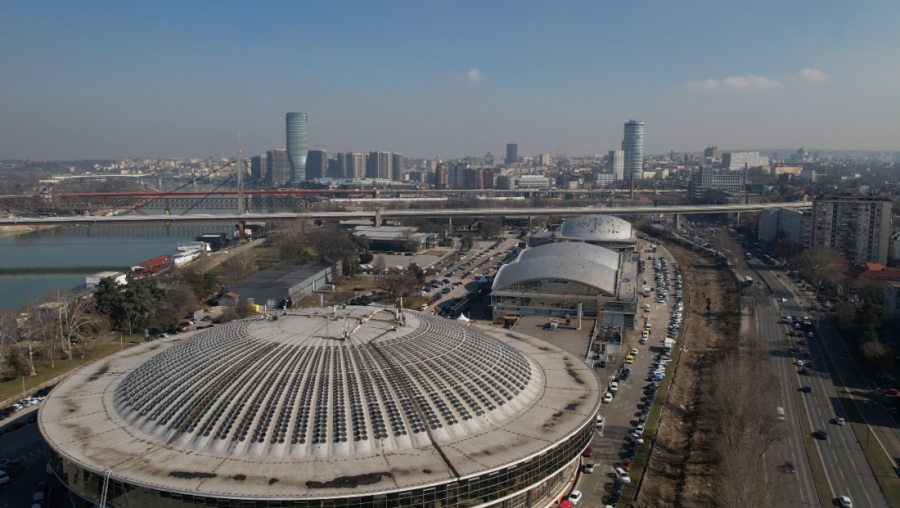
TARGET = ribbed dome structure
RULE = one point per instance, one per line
(348, 382)
(314, 405)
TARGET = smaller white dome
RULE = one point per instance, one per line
(597, 227)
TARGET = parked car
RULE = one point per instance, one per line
(588, 452)
(575, 496)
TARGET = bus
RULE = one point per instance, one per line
(748, 281)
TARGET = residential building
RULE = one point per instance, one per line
(605, 179)
(633, 146)
(354, 166)
(794, 224)
(512, 153)
(316, 164)
(335, 166)
(380, 165)
(543, 159)
(259, 167)
(891, 310)
(712, 154)
(709, 178)
(397, 166)
(534, 182)
(856, 226)
(506, 182)
(297, 131)
(440, 176)
(617, 164)
(740, 160)
(279, 167)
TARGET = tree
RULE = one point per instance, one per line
(818, 263)
(179, 301)
(379, 266)
(238, 266)
(243, 309)
(400, 284)
(366, 257)
(204, 285)
(74, 318)
(491, 227)
(418, 272)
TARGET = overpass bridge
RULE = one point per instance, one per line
(379, 214)
(278, 200)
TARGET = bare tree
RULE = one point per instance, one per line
(399, 284)
(238, 266)
(74, 318)
(379, 266)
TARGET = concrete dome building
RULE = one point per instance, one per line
(603, 230)
(345, 407)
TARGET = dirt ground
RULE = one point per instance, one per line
(680, 465)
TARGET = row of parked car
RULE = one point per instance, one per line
(32, 400)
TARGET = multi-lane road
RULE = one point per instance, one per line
(841, 455)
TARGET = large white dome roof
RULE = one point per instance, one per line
(596, 227)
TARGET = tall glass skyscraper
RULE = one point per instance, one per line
(297, 145)
(633, 146)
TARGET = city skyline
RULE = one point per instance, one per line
(146, 81)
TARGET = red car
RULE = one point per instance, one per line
(892, 391)
(626, 465)
(588, 452)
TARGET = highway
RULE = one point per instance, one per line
(399, 214)
(803, 487)
(842, 457)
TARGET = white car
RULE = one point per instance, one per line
(845, 502)
(575, 496)
(623, 475)
(634, 352)
(614, 386)
(607, 398)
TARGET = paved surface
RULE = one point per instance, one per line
(802, 487)
(27, 445)
(621, 415)
(842, 456)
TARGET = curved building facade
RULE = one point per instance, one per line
(633, 146)
(344, 407)
(297, 128)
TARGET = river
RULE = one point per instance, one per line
(33, 263)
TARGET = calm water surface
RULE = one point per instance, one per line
(72, 253)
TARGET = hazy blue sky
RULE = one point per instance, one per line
(155, 79)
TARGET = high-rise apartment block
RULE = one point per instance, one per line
(297, 145)
(617, 164)
(712, 153)
(380, 165)
(259, 167)
(397, 166)
(440, 176)
(316, 164)
(354, 165)
(336, 166)
(279, 167)
(512, 153)
(633, 146)
(740, 160)
(543, 159)
(858, 227)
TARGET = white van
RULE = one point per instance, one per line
(599, 422)
(780, 412)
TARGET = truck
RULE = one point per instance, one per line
(646, 292)
(197, 315)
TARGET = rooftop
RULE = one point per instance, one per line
(285, 275)
(286, 408)
(572, 261)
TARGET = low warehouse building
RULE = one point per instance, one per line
(395, 238)
(280, 283)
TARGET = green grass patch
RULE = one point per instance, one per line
(13, 387)
(877, 458)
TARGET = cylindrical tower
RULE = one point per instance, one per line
(633, 146)
(297, 144)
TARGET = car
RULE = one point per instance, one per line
(789, 467)
(636, 438)
(626, 465)
(821, 434)
(655, 378)
(809, 335)
(839, 420)
(607, 398)
(634, 352)
(640, 428)
(613, 387)
(575, 496)
(802, 342)
(804, 371)
(4, 478)
(629, 359)
(566, 504)
(14, 468)
(622, 475)
(588, 452)
(206, 318)
(845, 502)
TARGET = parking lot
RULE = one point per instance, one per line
(622, 414)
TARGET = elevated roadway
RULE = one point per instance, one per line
(378, 215)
